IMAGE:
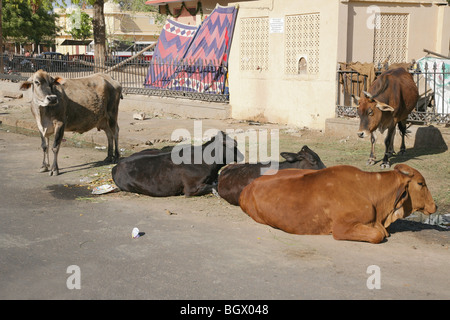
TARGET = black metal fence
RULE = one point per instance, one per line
(433, 82)
(132, 74)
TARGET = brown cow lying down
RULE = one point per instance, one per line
(234, 177)
(342, 200)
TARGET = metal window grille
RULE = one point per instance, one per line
(391, 38)
(254, 41)
(302, 42)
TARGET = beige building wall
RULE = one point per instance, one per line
(262, 83)
(428, 27)
(120, 25)
(264, 79)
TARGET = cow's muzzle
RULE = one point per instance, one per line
(362, 134)
(51, 99)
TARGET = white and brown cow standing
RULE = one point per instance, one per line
(76, 105)
(389, 101)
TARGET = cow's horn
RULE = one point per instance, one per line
(368, 95)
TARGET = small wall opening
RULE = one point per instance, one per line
(302, 66)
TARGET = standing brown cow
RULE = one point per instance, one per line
(391, 98)
(336, 200)
(77, 105)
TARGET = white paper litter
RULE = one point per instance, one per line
(104, 189)
(135, 233)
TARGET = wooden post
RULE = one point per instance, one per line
(130, 58)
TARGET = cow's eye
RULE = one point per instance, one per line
(37, 83)
(420, 184)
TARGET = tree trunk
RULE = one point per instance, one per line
(98, 24)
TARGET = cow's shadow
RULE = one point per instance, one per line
(403, 225)
(414, 154)
(83, 166)
(427, 141)
(96, 164)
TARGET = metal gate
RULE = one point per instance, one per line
(433, 82)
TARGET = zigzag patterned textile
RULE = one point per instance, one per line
(210, 48)
(172, 45)
(205, 62)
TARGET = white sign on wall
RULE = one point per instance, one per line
(276, 25)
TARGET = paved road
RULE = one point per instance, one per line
(205, 249)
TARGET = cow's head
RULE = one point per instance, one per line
(370, 111)
(221, 149)
(43, 85)
(305, 159)
(417, 197)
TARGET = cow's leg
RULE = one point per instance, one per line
(389, 147)
(402, 128)
(371, 160)
(359, 232)
(200, 190)
(116, 144)
(59, 134)
(45, 160)
(113, 143)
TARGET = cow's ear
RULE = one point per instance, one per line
(404, 169)
(289, 156)
(26, 84)
(58, 80)
(384, 107)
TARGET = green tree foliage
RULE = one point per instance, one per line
(81, 25)
(26, 20)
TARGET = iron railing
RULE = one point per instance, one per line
(433, 105)
(134, 75)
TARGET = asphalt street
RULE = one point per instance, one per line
(58, 241)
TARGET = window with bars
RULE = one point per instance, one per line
(254, 39)
(391, 38)
(302, 42)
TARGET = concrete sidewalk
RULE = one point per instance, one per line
(161, 117)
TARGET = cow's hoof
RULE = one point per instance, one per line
(370, 162)
(385, 165)
(54, 172)
(43, 169)
(111, 159)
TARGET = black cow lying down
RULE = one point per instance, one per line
(234, 177)
(181, 171)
